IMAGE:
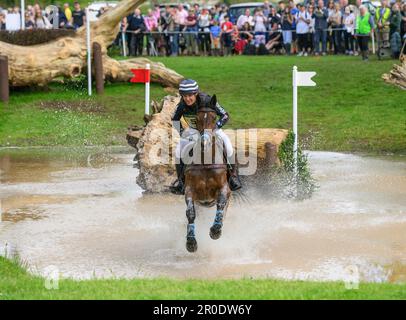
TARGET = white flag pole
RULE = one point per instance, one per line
(295, 117)
(22, 14)
(148, 67)
(124, 42)
(89, 54)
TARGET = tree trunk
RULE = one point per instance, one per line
(397, 75)
(155, 145)
(66, 56)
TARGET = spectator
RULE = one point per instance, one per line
(157, 13)
(123, 29)
(68, 13)
(260, 23)
(196, 7)
(246, 17)
(226, 30)
(246, 33)
(349, 22)
(40, 21)
(151, 26)
(78, 16)
(364, 27)
(215, 32)
(403, 25)
(181, 16)
(30, 10)
(320, 16)
(286, 24)
(302, 30)
(382, 16)
(281, 8)
(173, 29)
(204, 29)
(2, 20)
(62, 21)
(335, 20)
(29, 22)
(330, 38)
(275, 38)
(293, 12)
(310, 35)
(266, 8)
(137, 27)
(273, 17)
(223, 13)
(191, 33)
(394, 31)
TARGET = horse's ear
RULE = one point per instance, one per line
(213, 101)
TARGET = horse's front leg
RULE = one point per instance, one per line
(191, 243)
(222, 202)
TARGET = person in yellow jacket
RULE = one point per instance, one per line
(68, 13)
(382, 17)
(363, 28)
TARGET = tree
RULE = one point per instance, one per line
(66, 56)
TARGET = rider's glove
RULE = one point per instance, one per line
(218, 125)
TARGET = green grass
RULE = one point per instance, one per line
(16, 283)
(350, 109)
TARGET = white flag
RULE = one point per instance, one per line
(304, 79)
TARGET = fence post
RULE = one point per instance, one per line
(4, 86)
(98, 68)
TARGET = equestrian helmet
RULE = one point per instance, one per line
(188, 86)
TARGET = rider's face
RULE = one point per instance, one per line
(189, 99)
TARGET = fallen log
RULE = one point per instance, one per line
(155, 144)
(66, 56)
(397, 76)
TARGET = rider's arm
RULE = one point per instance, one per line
(223, 114)
(176, 118)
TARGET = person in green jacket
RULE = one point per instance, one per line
(363, 28)
(382, 17)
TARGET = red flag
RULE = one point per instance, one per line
(140, 75)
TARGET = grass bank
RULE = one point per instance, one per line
(351, 108)
(16, 283)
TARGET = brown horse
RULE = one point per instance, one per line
(206, 181)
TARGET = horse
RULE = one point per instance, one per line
(206, 183)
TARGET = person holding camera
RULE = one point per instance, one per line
(320, 16)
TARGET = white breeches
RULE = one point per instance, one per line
(189, 138)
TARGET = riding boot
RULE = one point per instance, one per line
(178, 187)
(234, 179)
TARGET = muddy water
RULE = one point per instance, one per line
(81, 211)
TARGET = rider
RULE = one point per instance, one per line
(192, 99)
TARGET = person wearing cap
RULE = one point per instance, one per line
(191, 101)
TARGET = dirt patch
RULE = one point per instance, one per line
(78, 106)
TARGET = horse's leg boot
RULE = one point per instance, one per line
(234, 180)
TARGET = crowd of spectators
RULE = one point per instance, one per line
(314, 27)
(35, 17)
